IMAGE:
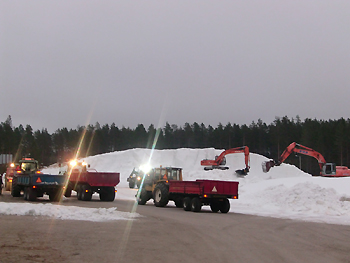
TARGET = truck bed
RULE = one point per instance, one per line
(205, 187)
(94, 178)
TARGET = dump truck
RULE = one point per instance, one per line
(28, 179)
(165, 184)
(86, 182)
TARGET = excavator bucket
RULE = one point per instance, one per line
(242, 172)
(266, 166)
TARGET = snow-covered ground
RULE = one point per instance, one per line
(284, 192)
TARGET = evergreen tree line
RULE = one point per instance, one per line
(330, 138)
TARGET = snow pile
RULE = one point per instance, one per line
(283, 192)
(66, 212)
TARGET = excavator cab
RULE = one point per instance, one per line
(329, 169)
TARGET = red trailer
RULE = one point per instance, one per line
(195, 194)
(86, 182)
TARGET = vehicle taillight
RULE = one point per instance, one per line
(38, 172)
(234, 197)
(10, 180)
(205, 196)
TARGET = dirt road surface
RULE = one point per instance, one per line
(169, 235)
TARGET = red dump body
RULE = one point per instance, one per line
(211, 188)
(94, 178)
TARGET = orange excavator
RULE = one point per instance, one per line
(326, 169)
(220, 161)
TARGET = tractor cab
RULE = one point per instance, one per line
(158, 174)
(27, 166)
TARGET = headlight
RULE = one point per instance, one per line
(73, 163)
(138, 178)
(145, 168)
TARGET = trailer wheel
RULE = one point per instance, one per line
(161, 195)
(86, 193)
(68, 192)
(225, 206)
(55, 195)
(215, 206)
(16, 190)
(196, 204)
(79, 192)
(31, 194)
(187, 204)
(107, 194)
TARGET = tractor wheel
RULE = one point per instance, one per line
(86, 193)
(225, 206)
(16, 190)
(187, 204)
(196, 204)
(215, 206)
(161, 195)
(107, 194)
(131, 184)
(31, 194)
(144, 197)
(138, 184)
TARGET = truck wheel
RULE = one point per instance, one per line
(31, 194)
(86, 193)
(225, 206)
(215, 206)
(16, 190)
(196, 204)
(131, 184)
(187, 204)
(161, 195)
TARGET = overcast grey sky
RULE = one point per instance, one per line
(69, 63)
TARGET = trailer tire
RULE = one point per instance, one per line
(68, 192)
(79, 192)
(187, 204)
(225, 206)
(107, 194)
(161, 195)
(55, 195)
(215, 206)
(16, 190)
(196, 204)
(86, 193)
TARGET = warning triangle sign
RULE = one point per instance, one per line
(38, 180)
(214, 189)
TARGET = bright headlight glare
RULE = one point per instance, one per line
(84, 164)
(73, 163)
(145, 168)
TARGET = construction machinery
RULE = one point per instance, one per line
(326, 169)
(220, 161)
(165, 183)
(135, 178)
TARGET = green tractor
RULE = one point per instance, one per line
(155, 185)
(135, 178)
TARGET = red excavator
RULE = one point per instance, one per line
(326, 169)
(220, 161)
